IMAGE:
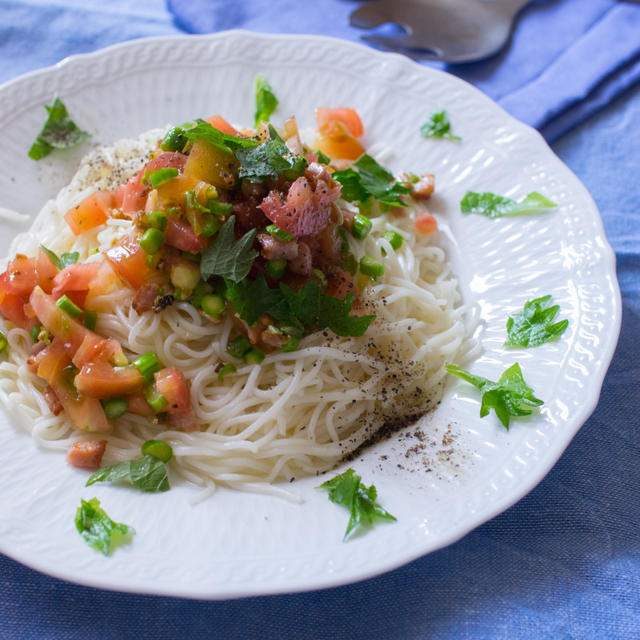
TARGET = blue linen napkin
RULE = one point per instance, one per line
(566, 60)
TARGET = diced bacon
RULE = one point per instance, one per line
(252, 333)
(317, 171)
(273, 339)
(326, 247)
(145, 297)
(52, 400)
(87, 454)
(182, 421)
(340, 283)
(303, 262)
(273, 249)
(423, 189)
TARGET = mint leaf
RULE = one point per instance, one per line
(98, 529)
(323, 158)
(227, 258)
(266, 101)
(534, 324)
(494, 206)
(252, 299)
(510, 396)
(371, 179)
(146, 473)
(347, 490)
(64, 260)
(224, 141)
(58, 132)
(438, 126)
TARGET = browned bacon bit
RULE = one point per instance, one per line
(86, 454)
(272, 339)
(182, 421)
(52, 401)
(145, 297)
(423, 189)
(326, 247)
(253, 333)
(303, 262)
(340, 283)
(317, 171)
(163, 302)
(273, 249)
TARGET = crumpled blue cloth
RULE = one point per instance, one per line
(540, 78)
(564, 562)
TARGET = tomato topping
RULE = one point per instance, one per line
(46, 271)
(425, 223)
(90, 213)
(180, 235)
(138, 404)
(172, 384)
(129, 261)
(219, 123)
(337, 142)
(12, 307)
(21, 276)
(75, 281)
(349, 118)
(102, 380)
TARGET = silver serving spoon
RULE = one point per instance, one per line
(445, 30)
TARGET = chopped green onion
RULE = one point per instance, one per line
(254, 356)
(158, 449)
(192, 201)
(280, 234)
(115, 407)
(4, 343)
(226, 368)
(90, 320)
(152, 240)
(175, 140)
(213, 304)
(200, 291)
(319, 277)
(68, 306)
(276, 268)
(35, 333)
(160, 176)
(361, 226)
(211, 225)
(147, 365)
(155, 220)
(238, 347)
(185, 275)
(155, 399)
(322, 158)
(292, 345)
(394, 239)
(219, 208)
(349, 263)
(371, 267)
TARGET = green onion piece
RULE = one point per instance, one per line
(394, 239)
(90, 320)
(147, 365)
(68, 306)
(238, 347)
(160, 176)
(173, 212)
(152, 240)
(322, 157)
(349, 263)
(219, 208)
(292, 345)
(361, 226)
(115, 407)
(276, 268)
(319, 277)
(254, 356)
(193, 203)
(280, 234)
(371, 267)
(155, 220)
(211, 225)
(226, 368)
(4, 343)
(34, 333)
(158, 449)
(213, 305)
(174, 140)
(155, 399)
(199, 292)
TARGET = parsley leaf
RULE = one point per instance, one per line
(251, 299)
(438, 126)
(58, 132)
(266, 101)
(494, 206)
(534, 324)
(64, 260)
(227, 258)
(98, 529)
(371, 179)
(323, 158)
(347, 490)
(510, 396)
(146, 473)
(224, 141)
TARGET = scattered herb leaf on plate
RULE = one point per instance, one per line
(147, 474)
(98, 529)
(438, 126)
(65, 260)
(495, 206)
(534, 325)
(266, 101)
(510, 396)
(347, 490)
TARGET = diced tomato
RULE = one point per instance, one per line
(138, 404)
(221, 124)
(425, 223)
(103, 282)
(90, 213)
(348, 117)
(86, 454)
(46, 271)
(180, 235)
(129, 261)
(134, 194)
(337, 142)
(172, 384)
(96, 348)
(341, 283)
(21, 276)
(118, 196)
(12, 307)
(74, 280)
(102, 380)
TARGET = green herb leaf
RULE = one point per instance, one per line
(58, 132)
(227, 258)
(534, 324)
(322, 157)
(347, 490)
(494, 206)
(266, 101)
(510, 396)
(146, 473)
(251, 299)
(160, 176)
(98, 529)
(64, 260)
(438, 126)
(224, 141)
(371, 179)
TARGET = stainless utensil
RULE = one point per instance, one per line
(445, 30)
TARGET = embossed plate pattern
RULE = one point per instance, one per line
(464, 470)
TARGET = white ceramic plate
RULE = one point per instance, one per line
(464, 470)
